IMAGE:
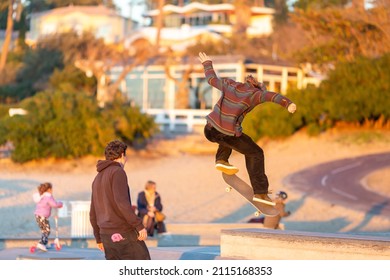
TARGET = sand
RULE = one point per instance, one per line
(193, 192)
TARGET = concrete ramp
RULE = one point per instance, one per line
(291, 245)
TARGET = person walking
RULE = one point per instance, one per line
(224, 125)
(118, 231)
(45, 202)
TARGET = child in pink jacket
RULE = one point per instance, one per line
(45, 201)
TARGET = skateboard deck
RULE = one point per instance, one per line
(247, 192)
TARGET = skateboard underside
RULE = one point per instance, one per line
(247, 192)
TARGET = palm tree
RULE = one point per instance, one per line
(243, 15)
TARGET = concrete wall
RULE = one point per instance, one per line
(291, 245)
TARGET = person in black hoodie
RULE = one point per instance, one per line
(118, 231)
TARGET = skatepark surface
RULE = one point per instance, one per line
(192, 191)
(68, 253)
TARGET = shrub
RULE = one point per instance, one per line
(70, 125)
(356, 92)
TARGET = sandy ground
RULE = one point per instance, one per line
(193, 192)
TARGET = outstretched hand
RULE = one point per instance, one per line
(292, 108)
(203, 57)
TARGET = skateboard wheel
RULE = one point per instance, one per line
(32, 249)
(257, 213)
(228, 189)
(58, 247)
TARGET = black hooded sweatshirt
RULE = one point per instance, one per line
(111, 210)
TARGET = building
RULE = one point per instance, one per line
(101, 21)
(150, 88)
(185, 25)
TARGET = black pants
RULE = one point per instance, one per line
(130, 248)
(254, 155)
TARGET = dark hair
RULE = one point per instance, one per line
(283, 195)
(115, 149)
(255, 83)
(252, 80)
(42, 188)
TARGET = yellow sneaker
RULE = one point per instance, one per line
(226, 167)
(263, 198)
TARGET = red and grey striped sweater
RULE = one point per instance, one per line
(236, 101)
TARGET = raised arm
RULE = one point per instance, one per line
(269, 96)
(203, 57)
(209, 72)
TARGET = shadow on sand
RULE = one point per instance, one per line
(376, 210)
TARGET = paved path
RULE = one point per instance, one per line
(156, 253)
(340, 182)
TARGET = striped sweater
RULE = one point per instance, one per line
(236, 101)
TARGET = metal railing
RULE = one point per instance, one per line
(178, 117)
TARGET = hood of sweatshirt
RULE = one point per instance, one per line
(37, 197)
(103, 164)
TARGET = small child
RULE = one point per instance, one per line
(45, 201)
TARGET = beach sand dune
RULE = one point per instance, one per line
(192, 190)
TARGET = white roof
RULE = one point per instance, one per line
(205, 7)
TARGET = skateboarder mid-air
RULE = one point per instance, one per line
(224, 125)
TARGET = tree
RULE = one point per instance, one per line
(8, 35)
(67, 123)
(343, 33)
(53, 54)
(348, 95)
(318, 4)
(170, 58)
(96, 59)
(281, 12)
(242, 16)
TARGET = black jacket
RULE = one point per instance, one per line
(142, 204)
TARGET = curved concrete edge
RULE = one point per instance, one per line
(291, 245)
(76, 242)
(196, 234)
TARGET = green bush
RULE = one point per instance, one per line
(132, 126)
(4, 109)
(353, 92)
(358, 91)
(70, 125)
(270, 120)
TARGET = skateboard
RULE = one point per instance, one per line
(247, 192)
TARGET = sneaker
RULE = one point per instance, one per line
(263, 198)
(42, 247)
(226, 167)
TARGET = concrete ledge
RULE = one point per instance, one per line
(208, 234)
(292, 245)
